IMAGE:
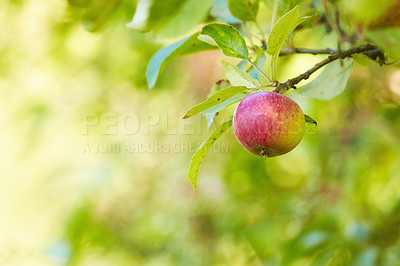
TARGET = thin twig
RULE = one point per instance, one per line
(341, 32)
(259, 70)
(290, 83)
(307, 51)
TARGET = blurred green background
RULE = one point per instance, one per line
(94, 165)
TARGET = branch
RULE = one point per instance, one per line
(290, 83)
(307, 51)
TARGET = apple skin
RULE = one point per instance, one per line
(268, 124)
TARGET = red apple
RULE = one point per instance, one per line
(268, 124)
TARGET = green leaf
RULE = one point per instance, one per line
(192, 13)
(238, 77)
(165, 55)
(281, 30)
(212, 112)
(96, 14)
(151, 14)
(222, 105)
(140, 18)
(362, 59)
(309, 23)
(203, 149)
(331, 82)
(283, 5)
(310, 120)
(215, 99)
(245, 10)
(227, 38)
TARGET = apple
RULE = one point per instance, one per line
(268, 124)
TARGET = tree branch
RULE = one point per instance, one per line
(290, 83)
(307, 51)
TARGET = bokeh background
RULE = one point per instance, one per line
(94, 164)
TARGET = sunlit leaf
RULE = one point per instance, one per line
(244, 9)
(165, 55)
(283, 5)
(331, 82)
(192, 13)
(238, 77)
(281, 30)
(225, 103)
(227, 38)
(151, 14)
(142, 13)
(203, 149)
(212, 112)
(215, 99)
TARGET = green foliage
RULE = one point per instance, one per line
(331, 82)
(362, 59)
(170, 17)
(227, 38)
(125, 200)
(238, 77)
(279, 33)
(214, 99)
(212, 112)
(83, 229)
(283, 5)
(388, 39)
(96, 13)
(203, 149)
(245, 10)
(164, 56)
(156, 15)
(190, 15)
